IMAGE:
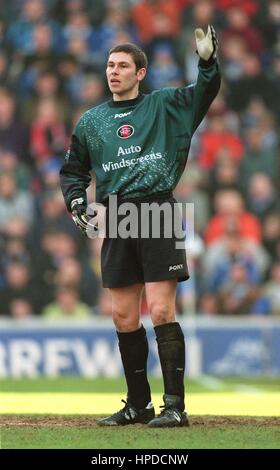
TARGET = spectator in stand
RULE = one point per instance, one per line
(3, 25)
(14, 203)
(53, 215)
(229, 209)
(214, 139)
(10, 163)
(190, 191)
(274, 77)
(64, 247)
(21, 309)
(258, 159)
(79, 275)
(238, 296)
(239, 26)
(116, 28)
(225, 252)
(219, 108)
(183, 4)
(251, 83)
(20, 32)
(163, 69)
(271, 234)
(44, 267)
(67, 305)
(271, 289)
(269, 23)
(225, 174)
(251, 7)
(18, 287)
(43, 57)
(4, 69)
(15, 249)
(258, 115)
(55, 249)
(78, 25)
(50, 179)
(17, 227)
(71, 78)
(13, 133)
(79, 49)
(201, 13)
(78, 33)
(46, 87)
(15, 244)
(64, 8)
(208, 304)
(92, 91)
(233, 51)
(262, 197)
(156, 19)
(48, 133)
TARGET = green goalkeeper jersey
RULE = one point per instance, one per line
(137, 147)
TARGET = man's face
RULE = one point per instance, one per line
(122, 75)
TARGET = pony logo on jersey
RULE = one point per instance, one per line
(125, 131)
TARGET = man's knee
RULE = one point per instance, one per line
(119, 316)
(161, 313)
(125, 320)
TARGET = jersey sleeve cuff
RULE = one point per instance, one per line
(205, 64)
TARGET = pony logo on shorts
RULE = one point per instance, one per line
(175, 267)
(125, 131)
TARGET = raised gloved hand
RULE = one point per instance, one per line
(82, 219)
(206, 45)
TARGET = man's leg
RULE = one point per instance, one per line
(133, 342)
(161, 298)
(134, 354)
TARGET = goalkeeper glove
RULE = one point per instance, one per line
(206, 45)
(82, 219)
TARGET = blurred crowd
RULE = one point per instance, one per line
(52, 59)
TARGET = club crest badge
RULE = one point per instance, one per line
(125, 131)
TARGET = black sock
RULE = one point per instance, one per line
(134, 353)
(171, 349)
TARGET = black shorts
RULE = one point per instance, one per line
(143, 259)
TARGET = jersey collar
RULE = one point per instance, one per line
(125, 103)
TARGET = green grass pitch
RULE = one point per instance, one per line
(61, 413)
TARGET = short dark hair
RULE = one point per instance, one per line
(139, 57)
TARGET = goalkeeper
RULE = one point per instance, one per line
(137, 146)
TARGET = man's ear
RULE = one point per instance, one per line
(141, 73)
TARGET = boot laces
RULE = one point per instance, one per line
(166, 410)
(127, 410)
